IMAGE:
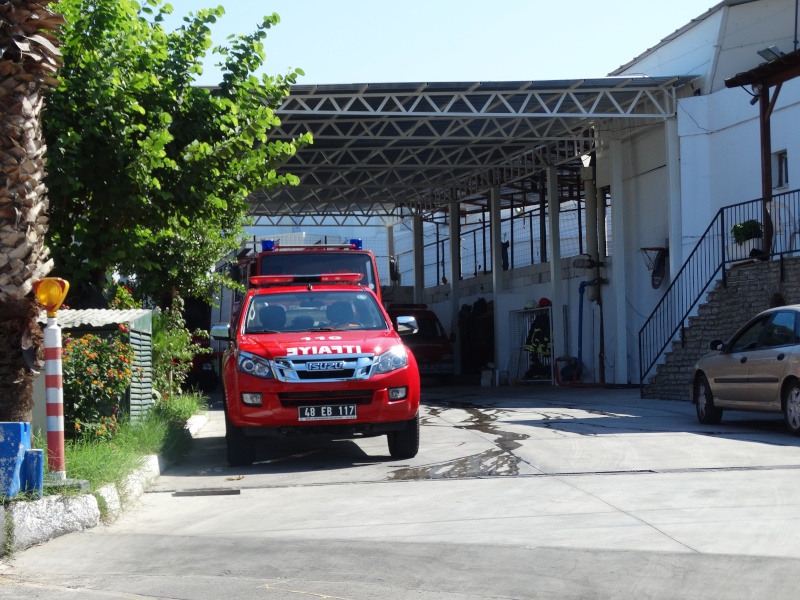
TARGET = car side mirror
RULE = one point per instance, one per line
(407, 325)
(394, 274)
(221, 331)
(716, 345)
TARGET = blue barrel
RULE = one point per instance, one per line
(15, 439)
(32, 475)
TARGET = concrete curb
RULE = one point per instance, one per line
(26, 524)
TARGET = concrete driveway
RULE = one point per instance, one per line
(521, 492)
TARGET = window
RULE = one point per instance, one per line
(780, 331)
(748, 339)
(780, 169)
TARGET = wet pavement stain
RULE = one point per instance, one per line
(497, 461)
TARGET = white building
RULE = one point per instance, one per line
(668, 156)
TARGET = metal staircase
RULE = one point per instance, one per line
(708, 261)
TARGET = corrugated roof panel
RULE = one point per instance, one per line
(95, 317)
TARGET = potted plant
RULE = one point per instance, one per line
(747, 236)
(747, 230)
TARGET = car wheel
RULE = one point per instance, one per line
(405, 443)
(707, 413)
(240, 447)
(791, 407)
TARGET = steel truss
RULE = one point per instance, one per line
(383, 151)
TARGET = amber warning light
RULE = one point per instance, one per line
(51, 292)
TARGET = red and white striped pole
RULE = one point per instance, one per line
(54, 394)
(51, 292)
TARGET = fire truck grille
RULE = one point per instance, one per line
(312, 375)
(322, 368)
(293, 399)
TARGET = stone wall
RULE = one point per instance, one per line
(752, 286)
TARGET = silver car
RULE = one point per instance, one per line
(758, 369)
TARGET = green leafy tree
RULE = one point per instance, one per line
(149, 174)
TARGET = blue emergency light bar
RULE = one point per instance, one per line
(353, 244)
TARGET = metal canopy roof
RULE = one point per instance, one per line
(384, 151)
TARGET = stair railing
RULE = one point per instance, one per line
(713, 251)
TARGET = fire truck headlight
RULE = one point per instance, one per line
(255, 365)
(391, 360)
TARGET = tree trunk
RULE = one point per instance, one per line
(21, 354)
(29, 59)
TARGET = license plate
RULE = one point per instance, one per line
(327, 413)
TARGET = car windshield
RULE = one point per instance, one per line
(313, 311)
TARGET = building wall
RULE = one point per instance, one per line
(750, 27)
(719, 45)
(720, 152)
(692, 53)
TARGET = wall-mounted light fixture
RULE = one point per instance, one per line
(770, 53)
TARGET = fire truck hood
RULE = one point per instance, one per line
(305, 343)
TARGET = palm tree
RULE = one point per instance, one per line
(28, 64)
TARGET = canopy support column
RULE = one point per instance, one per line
(495, 226)
(674, 194)
(419, 261)
(619, 257)
(557, 342)
(454, 226)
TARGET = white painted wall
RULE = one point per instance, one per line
(692, 53)
(719, 45)
(720, 152)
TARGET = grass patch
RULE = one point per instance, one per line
(162, 432)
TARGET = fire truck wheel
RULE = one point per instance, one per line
(240, 447)
(405, 443)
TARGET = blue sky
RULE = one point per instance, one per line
(360, 41)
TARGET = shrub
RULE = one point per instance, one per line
(122, 298)
(96, 372)
(173, 348)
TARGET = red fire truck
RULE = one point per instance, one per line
(317, 354)
(275, 259)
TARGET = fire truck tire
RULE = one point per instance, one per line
(405, 443)
(240, 447)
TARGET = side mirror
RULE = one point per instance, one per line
(394, 274)
(221, 331)
(407, 325)
(716, 345)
